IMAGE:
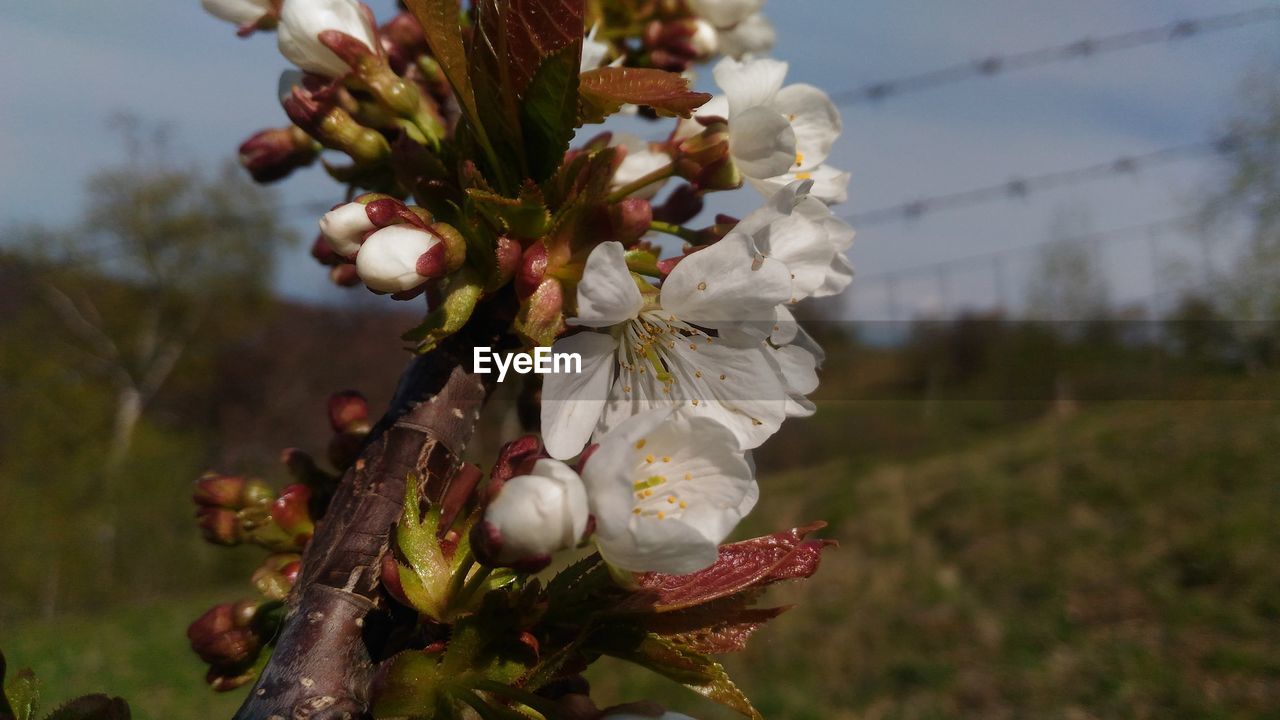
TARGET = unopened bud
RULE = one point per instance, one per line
(515, 458)
(704, 39)
(682, 205)
(324, 254)
(318, 114)
(276, 576)
(533, 269)
(630, 220)
(344, 276)
(507, 260)
(291, 513)
(274, 154)
(249, 15)
(302, 23)
(219, 526)
(348, 412)
(225, 491)
(533, 517)
(404, 41)
(388, 260)
(345, 228)
(224, 637)
(705, 159)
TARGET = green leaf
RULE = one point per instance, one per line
(427, 576)
(513, 42)
(92, 707)
(461, 295)
(692, 669)
(441, 23)
(605, 90)
(526, 217)
(414, 687)
(549, 112)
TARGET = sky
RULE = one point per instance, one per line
(69, 64)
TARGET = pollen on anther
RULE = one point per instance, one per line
(688, 476)
(662, 515)
(637, 511)
(693, 346)
(724, 377)
(666, 458)
(648, 459)
(695, 402)
(641, 442)
(702, 285)
(671, 499)
(698, 374)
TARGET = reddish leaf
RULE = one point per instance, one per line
(747, 564)
(723, 630)
(605, 90)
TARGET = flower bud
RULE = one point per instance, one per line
(345, 228)
(682, 205)
(534, 516)
(705, 159)
(630, 220)
(388, 260)
(274, 154)
(224, 491)
(291, 513)
(275, 577)
(223, 639)
(348, 412)
(344, 276)
(247, 14)
(533, 269)
(219, 526)
(404, 41)
(316, 111)
(302, 21)
(705, 39)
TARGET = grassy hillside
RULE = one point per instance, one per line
(1115, 563)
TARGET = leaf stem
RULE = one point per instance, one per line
(626, 191)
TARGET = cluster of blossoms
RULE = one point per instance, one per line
(466, 193)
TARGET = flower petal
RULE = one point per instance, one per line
(572, 403)
(607, 294)
(762, 142)
(735, 386)
(753, 35)
(830, 185)
(725, 284)
(749, 84)
(726, 13)
(814, 118)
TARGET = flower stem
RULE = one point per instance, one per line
(658, 175)
(680, 231)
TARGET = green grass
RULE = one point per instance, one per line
(139, 653)
(1118, 562)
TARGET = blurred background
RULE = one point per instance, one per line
(1046, 437)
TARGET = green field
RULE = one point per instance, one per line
(1118, 561)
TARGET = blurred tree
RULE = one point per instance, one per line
(1067, 282)
(1248, 201)
(166, 262)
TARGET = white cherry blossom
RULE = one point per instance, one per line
(726, 13)
(665, 490)
(777, 134)
(654, 349)
(800, 231)
(539, 514)
(302, 21)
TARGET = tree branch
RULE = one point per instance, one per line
(326, 653)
